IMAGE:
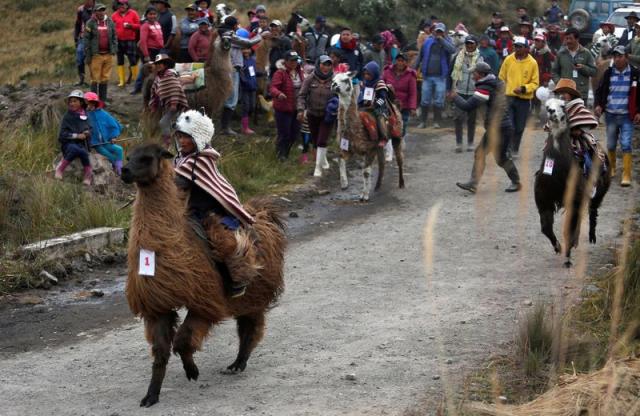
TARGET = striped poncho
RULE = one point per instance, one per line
(167, 91)
(201, 169)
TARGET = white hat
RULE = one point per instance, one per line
(198, 126)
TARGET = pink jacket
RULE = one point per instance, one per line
(404, 86)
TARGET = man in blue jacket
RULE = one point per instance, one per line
(434, 62)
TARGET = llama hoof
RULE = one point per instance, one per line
(236, 367)
(557, 248)
(592, 238)
(149, 400)
(191, 371)
(568, 264)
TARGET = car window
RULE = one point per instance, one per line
(617, 18)
(580, 5)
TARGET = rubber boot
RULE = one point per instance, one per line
(134, 72)
(245, 126)
(60, 169)
(626, 169)
(88, 174)
(227, 113)
(612, 162)
(121, 76)
(80, 76)
(321, 155)
(117, 166)
(102, 92)
(437, 117)
(94, 87)
(424, 114)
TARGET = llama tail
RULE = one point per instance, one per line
(380, 157)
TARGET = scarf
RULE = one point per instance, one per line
(348, 46)
(322, 76)
(456, 73)
(201, 168)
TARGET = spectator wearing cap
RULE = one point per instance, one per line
(351, 54)
(104, 130)
(575, 62)
(200, 42)
(167, 21)
(618, 98)
(489, 54)
(312, 104)
(554, 38)
(544, 57)
(519, 72)
(248, 88)
(504, 44)
(602, 43)
(403, 79)
(261, 51)
(493, 30)
(261, 10)
(280, 45)
(285, 85)
(167, 95)
(127, 24)
(554, 14)
(83, 14)
(375, 52)
(188, 26)
(253, 20)
(633, 48)
(630, 31)
(74, 136)
(316, 39)
(525, 28)
(461, 81)
(498, 127)
(434, 63)
(101, 45)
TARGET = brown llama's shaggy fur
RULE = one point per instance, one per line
(185, 276)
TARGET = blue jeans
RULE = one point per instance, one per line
(111, 151)
(405, 120)
(619, 125)
(433, 91)
(232, 101)
(519, 109)
(80, 56)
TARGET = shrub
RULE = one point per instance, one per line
(534, 341)
(52, 26)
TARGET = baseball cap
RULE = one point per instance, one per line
(471, 39)
(440, 27)
(324, 58)
(619, 50)
(482, 67)
(276, 22)
(292, 56)
(520, 41)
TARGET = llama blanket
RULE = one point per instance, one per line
(192, 75)
(202, 169)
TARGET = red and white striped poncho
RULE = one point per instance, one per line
(201, 169)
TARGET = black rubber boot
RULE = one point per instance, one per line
(225, 122)
(437, 117)
(512, 172)
(424, 114)
(94, 87)
(102, 92)
(81, 76)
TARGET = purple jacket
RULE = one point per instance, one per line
(403, 85)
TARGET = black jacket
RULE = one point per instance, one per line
(490, 92)
(602, 92)
(72, 125)
(279, 48)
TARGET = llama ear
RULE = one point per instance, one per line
(352, 74)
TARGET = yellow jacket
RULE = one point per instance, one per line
(517, 73)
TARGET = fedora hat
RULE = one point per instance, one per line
(632, 14)
(162, 57)
(568, 86)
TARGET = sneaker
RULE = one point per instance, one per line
(468, 186)
(514, 187)
(459, 148)
(422, 125)
(229, 132)
(436, 125)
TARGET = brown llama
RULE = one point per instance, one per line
(185, 276)
(354, 140)
(560, 183)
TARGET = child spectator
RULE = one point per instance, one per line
(203, 10)
(248, 87)
(75, 133)
(104, 129)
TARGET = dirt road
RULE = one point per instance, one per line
(359, 330)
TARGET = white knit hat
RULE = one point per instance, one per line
(198, 126)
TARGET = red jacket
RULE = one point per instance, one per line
(199, 45)
(283, 84)
(131, 32)
(404, 86)
(150, 38)
(500, 47)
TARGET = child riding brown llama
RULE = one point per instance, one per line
(573, 173)
(171, 267)
(355, 139)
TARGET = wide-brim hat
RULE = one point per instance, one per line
(91, 96)
(579, 116)
(612, 25)
(525, 22)
(76, 94)
(505, 29)
(632, 14)
(566, 85)
(163, 57)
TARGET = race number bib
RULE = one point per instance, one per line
(252, 71)
(368, 94)
(548, 166)
(505, 52)
(344, 144)
(147, 263)
(575, 73)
